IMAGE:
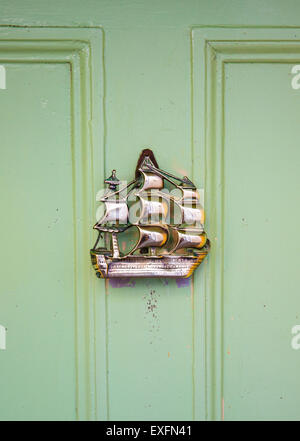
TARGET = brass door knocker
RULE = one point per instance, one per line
(148, 229)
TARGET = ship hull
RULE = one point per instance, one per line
(146, 266)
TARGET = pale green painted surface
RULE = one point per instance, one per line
(261, 283)
(109, 356)
(37, 302)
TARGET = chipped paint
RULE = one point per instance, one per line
(152, 314)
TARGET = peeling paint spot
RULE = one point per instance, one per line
(181, 283)
(168, 354)
(122, 282)
(151, 313)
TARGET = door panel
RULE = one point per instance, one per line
(251, 136)
(261, 241)
(46, 301)
(37, 369)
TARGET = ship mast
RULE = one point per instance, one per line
(186, 229)
(113, 216)
(148, 209)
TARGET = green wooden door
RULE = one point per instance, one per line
(211, 91)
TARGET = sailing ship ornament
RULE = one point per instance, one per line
(149, 227)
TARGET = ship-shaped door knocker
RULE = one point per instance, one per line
(149, 227)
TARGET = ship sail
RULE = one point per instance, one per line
(189, 214)
(150, 181)
(188, 209)
(192, 216)
(138, 238)
(186, 194)
(148, 208)
(111, 213)
(187, 238)
(147, 204)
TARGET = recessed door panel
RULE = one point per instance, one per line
(37, 289)
(261, 241)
